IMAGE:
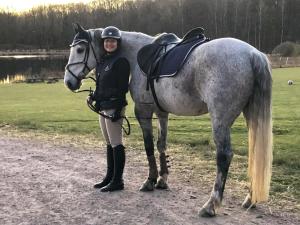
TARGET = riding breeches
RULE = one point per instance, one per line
(112, 131)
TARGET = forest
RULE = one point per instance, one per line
(262, 23)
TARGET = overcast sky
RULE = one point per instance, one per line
(20, 5)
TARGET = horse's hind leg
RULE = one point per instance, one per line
(162, 146)
(221, 134)
(144, 116)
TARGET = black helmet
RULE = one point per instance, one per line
(111, 32)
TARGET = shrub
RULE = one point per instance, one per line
(287, 49)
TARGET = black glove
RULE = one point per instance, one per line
(95, 106)
(116, 115)
(90, 99)
(92, 95)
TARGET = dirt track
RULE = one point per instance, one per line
(47, 183)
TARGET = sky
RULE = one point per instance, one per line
(21, 5)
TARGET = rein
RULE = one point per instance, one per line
(81, 77)
(92, 107)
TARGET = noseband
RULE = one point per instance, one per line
(86, 69)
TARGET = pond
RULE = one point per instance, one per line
(19, 68)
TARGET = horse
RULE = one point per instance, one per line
(223, 77)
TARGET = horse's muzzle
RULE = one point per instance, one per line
(73, 86)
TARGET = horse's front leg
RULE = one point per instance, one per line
(221, 136)
(162, 146)
(144, 116)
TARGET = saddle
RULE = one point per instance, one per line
(166, 55)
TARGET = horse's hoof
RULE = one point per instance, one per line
(247, 203)
(161, 184)
(148, 185)
(207, 212)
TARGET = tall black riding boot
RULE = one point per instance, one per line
(110, 168)
(117, 181)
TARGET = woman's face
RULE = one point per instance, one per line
(110, 44)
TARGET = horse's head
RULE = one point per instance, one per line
(82, 58)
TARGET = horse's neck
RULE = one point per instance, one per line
(96, 42)
(132, 42)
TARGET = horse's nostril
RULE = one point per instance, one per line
(69, 84)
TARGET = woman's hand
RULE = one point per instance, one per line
(89, 99)
(116, 115)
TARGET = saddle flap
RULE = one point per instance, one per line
(146, 56)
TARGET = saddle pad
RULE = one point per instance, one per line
(169, 63)
(174, 59)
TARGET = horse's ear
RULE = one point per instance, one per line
(77, 28)
(97, 34)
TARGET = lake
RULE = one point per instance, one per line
(19, 68)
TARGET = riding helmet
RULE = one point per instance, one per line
(111, 32)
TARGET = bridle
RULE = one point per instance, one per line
(86, 69)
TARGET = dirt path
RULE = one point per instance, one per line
(46, 183)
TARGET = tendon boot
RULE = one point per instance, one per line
(117, 181)
(110, 168)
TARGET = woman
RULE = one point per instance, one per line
(112, 75)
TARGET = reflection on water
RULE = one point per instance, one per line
(17, 68)
(26, 56)
(12, 79)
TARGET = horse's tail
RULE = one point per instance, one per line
(259, 120)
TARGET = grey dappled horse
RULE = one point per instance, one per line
(223, 77)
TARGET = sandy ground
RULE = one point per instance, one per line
(42, 182)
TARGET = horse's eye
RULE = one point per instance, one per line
(80, 50)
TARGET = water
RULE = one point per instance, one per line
(19, 68)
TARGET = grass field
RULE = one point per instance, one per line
(51, 108)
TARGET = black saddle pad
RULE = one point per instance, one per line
(154, 62)
(172, 62)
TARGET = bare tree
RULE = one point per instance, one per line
(282, 19)
(260, 8)
(262, 23)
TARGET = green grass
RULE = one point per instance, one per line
(51, 108)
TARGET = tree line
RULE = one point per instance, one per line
(262, 23)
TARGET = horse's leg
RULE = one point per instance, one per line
(162, 146)
(144, 116)
(221, 134)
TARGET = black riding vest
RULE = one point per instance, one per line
(109, 93)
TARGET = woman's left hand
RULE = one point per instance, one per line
(116, 116)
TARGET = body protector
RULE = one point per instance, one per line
(112, 75)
